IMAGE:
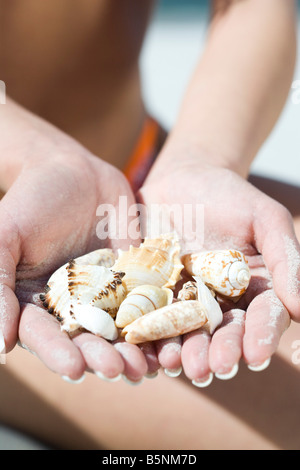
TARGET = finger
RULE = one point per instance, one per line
(150, 354)
(280, 248)
(195, 357)
(100, 356)
(169, 355)
(135, 364)
(226, 345)
(266, 321)
(9, 305)
(40, 333)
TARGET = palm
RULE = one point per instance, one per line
(53, 221)
(236, 215)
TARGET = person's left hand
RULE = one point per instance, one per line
(239, 216)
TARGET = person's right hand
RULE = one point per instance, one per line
(48, 216)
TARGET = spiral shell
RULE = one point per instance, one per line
(224, 271)
(155, 262)
(142, 300)
(189, 291)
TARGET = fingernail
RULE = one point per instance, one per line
(2, 350)
(173, 372)
(260, 367)
(203, 382)
(108, 379)
(229, 375)
(72, 381)
(23, 346)
(132, 382)
(151, 375)
(2, 343)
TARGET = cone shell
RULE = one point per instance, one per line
(142, 300)
(169, 321)
(155, 262)
(224, 271)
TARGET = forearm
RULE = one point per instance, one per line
(27, 140)
(239, 87)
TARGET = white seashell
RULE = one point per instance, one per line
(224, 271)
(96, 285)
(96, 321)
(91, 286)
(213, 309)
(102, 257)
(169, 321)
(141, 300)
(155, 262)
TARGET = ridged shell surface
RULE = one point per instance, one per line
(87, 286)
(155, 262)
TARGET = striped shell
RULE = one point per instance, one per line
(142, 300)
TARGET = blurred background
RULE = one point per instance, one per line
(172, 47)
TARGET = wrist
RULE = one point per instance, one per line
(181, 154)
(27, 142)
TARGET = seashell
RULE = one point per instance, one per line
(95, 320)
(177, 319)
(89, 286)
(97, 285)
(207, 298)
(189, 291)
(224, 271)
(141, 300)
(155, 262)
(101, 257)
(166, 322)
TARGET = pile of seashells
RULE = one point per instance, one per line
(132, 294)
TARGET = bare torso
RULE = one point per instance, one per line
(75, 63)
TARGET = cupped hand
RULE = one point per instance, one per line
(239, 216)
(49, 215)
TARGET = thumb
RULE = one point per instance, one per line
(278, 244)
(9, 305)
